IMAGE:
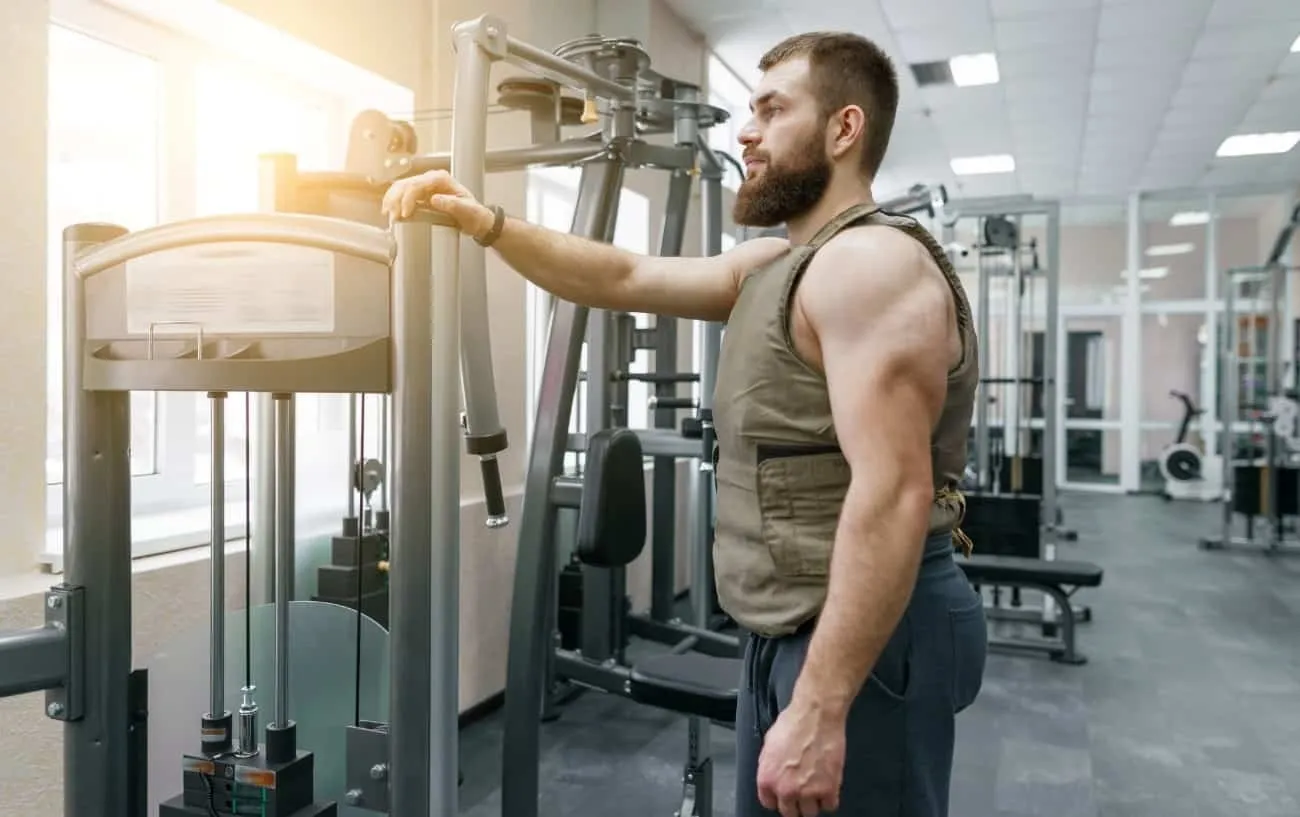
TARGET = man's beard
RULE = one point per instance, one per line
(784, 191)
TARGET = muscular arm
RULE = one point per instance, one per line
(606, 277)
(882, 317)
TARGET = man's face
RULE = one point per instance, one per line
(787, 168)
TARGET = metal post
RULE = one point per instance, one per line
(1229, 378)
(1053, 436)
(217, 546)
(982, 322)
(1131, 360)
(603, 588)
(352, 457)
(535, 567)
(96, 557)
(284, 549)
(410, 556)
(1211, 398)
(262, 543)
(663, 543)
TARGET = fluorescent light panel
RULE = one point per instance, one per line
(982, 165)
(1160, 250)
(1258, 144)
(1295, 46)
(974, 69)
(1149, 273)
(1189, 219)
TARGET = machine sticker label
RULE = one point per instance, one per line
(231, 289)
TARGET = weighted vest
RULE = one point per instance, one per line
(781, 478)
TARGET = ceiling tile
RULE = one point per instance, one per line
(1067, 26)
(1010, 9)
(909, 14)
(1244, 38)
(934, 44)
(1160, 20)
(1230, 12)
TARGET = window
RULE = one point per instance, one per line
(726, 90)
(164, 120)
(552, 197)
(103, 166)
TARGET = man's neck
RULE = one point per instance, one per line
(837, 199)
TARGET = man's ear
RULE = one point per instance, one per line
(847, 128)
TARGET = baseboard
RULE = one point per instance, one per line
(481, 710)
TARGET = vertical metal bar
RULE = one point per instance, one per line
(1229, 378)
(444, 505)
(1211, 398)
(663, 539)
(603, 588)
(711, 207)
(410, 555)
(96, 556)
(535, 566)
(284, 549)
(1131, 360)
(352, 456)
(217, 545)
(1052, 436)
(1012, 346)
(1273, 375)
(263, 511)
(385, 452)
(982, 322)
(278, 175)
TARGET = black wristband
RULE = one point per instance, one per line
(498, 222)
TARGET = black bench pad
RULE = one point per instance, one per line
(994, 569)
(689, 683)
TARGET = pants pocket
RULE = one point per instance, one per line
(800, 496)
(970, 649)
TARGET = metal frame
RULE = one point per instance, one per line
(1052, 432)
(1274, 274)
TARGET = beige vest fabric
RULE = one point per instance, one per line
(781, 478)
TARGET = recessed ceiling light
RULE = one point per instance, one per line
(974, 69)
(1295, 46)
(1149, 273)
(980, 165)
(1258, 144)
(1170, 249)
(1189, 219)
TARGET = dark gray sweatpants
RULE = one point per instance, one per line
(898, 759)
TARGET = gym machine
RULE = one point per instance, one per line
(337, 306)
(1011, 494)
(1187, 472)
(1011, 489)
(1262, 477)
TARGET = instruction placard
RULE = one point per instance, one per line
(231, 289)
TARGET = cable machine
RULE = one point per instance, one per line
(1259, 406)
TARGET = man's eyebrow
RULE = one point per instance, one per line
(763, 99)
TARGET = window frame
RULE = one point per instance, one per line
(169, 506)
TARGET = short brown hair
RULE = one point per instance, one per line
(847, 69)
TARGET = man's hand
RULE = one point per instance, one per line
(801, 765)
(442, 194)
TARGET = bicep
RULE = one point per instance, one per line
(697, 288)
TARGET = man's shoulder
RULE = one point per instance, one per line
(872, 263)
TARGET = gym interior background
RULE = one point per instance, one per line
(156, 111)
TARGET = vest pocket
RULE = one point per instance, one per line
(800, 496)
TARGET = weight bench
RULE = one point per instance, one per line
(1058, 579)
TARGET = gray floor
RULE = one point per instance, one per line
(1189, 705)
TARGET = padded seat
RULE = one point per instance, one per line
(989, 569)
(689, 683)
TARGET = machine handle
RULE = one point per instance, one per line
(493, 494)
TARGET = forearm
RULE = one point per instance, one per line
(573, 268)
(873, 568)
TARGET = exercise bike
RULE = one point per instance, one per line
(1188, 473)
